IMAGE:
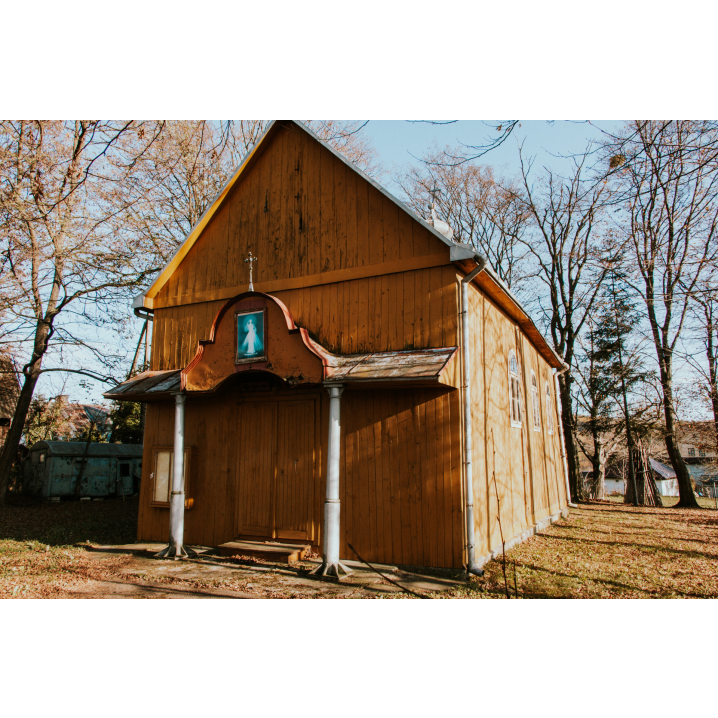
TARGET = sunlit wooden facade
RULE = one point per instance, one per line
(344, 269)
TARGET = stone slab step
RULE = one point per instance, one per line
(277, 552)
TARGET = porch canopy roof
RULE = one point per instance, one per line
(420, 367)
(283, 350)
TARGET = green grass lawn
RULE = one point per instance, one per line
(609, 550)
(41, 551)
(603, 550)
(670, 501)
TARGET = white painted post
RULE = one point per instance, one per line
(176, 548)
(331, 566)
(177, 495)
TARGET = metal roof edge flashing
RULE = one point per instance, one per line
(463, 252)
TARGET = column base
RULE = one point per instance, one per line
(336, 571)
(176, 553)
(475, 570)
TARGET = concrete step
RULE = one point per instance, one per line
(276, 552)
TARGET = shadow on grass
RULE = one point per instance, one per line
(632, 532)
(658, 591)
(679, 552)
(64, 523)
(164, 589)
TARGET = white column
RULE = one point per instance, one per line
(177, 495)
(176, 548)
(331, 565)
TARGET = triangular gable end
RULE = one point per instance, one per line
(145, 300)
(215, 228)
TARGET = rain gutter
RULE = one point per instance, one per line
(481, 264)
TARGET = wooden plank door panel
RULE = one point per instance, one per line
(295, 469)
(256, 462)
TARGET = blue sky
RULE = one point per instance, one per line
(396, 141)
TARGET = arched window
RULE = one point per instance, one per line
(535, 402)
(514, 390)
(549, 409)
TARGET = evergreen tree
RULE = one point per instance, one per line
(614, 369)
(126, 423)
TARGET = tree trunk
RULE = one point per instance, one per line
(600, 481)
(575, 481)
(12, 441)
(712, 372)
(31, 372)
(685, 488)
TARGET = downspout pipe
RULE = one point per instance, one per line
(471, 565)
(559, 421)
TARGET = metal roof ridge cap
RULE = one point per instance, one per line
(488, 269)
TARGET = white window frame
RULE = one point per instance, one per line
(515, 392)
(164, 501)
(535, 403)
(549, 409)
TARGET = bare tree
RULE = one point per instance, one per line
(668, 170)
(346, 137)
(90, 210)
(569, 245)
(180, 176)
(705, 312)
(483, 211)
(61, 258)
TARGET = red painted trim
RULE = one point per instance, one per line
(263, 298)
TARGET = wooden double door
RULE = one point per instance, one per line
(276, 464)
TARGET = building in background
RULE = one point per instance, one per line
(52, 469)
(664, 476)
(697, 444)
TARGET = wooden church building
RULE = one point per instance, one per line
(328, 368)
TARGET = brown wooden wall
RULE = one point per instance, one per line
(522, 466)
(401, 478)
(402, 497)
(415, 309)
(303, 213)
(361, 275)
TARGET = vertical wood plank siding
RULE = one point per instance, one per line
(384, 313)
(311, 218)
(389, 487)
(517, 469)
(303, 213)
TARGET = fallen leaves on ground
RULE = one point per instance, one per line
(603, 550)
(610, 550)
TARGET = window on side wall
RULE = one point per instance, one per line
(535, 402)
(514, 390)
(161, 477)
(549, 409)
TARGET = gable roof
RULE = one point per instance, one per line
(270, 132)
(460, 253)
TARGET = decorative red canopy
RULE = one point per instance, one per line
(289, 353)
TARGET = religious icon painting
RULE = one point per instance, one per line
(251, 344)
